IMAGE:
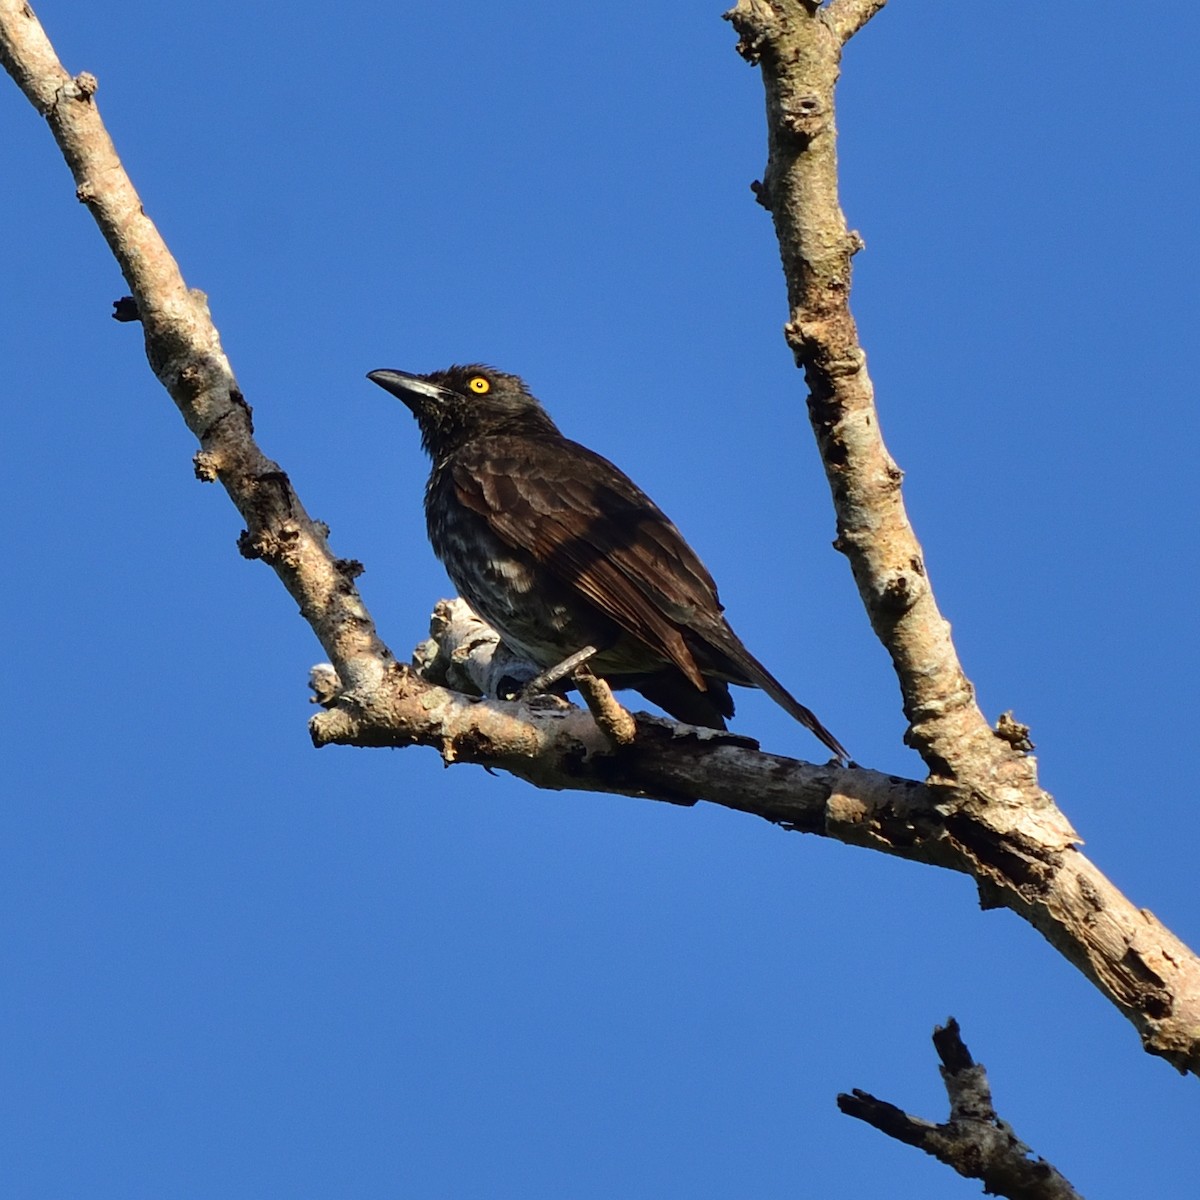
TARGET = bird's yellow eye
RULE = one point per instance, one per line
(479, 385)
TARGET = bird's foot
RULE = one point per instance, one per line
(555, 674)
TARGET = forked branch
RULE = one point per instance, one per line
(974, 1140)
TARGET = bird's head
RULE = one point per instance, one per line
(460, 404)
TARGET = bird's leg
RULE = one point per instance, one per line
(551, 676)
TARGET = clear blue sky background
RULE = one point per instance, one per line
(236, 967)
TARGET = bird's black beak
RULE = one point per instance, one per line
(414, 390)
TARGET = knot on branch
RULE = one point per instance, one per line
(902, 589)
(325, 683)
(756, 22)
(762, 194)
(347, 570)
(272, 546)
(803, 116)
(125, 309)
(207, 466)
(1010, 730)
(81, 88)
(826, 343)
(86, 85)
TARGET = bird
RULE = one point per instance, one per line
(567, 558)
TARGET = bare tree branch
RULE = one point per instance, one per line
(185, 353)
(989, 784)
(974, 1141)
(800, 54)
(980, 812)
(1148, 973)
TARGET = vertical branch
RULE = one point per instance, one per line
(798, 47)
(1021, 845)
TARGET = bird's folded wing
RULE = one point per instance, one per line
(597, 531)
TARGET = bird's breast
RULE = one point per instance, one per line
(514, 593)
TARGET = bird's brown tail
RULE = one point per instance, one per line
(756, 675)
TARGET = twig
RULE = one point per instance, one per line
(974, 1141)
(615, 722)
(848, 16)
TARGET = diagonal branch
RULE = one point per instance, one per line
(974, 1141)
(185, 353)
(980, 813)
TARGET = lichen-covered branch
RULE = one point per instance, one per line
(980, 812)
(974, 1141)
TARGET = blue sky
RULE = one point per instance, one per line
(237, 967)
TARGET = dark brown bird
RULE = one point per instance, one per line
(560, 552)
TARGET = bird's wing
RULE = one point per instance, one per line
(594, 529)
